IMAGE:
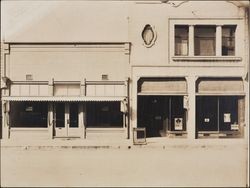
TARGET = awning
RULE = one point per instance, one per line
(62, 99)
(220, 86)
(162, 86)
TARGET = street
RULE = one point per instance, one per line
(170, 166)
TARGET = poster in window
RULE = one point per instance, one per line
(206, 120)
(227, 118)
(178, 123)
(234, 127)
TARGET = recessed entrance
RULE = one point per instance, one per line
(161, 115)
(66, 121)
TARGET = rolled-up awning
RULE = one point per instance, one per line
(220, 86)
(162, 86)
(61, 99)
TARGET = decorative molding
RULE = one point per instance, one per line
(149, 35)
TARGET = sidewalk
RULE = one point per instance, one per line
(77, 143)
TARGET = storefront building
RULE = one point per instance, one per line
(179, 69)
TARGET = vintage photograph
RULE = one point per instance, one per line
(124, 93)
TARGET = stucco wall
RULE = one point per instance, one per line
(68, 63)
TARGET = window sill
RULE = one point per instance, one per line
(206, 58)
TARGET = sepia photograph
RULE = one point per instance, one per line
(124, 93)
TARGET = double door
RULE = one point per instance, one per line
(66, 120)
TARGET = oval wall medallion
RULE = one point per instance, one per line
(148, 36)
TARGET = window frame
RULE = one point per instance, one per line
(209, 60)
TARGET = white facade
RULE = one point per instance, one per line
(95, 51)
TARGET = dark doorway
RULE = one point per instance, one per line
(161, 114)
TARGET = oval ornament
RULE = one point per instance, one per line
(148, 36)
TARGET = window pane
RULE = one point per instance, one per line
(73, 115)
(104, 114)
(228, 113)
(60, 114)
(228, 40)
(207, 113)
(181, 40)
(204, 40)
(29, 114)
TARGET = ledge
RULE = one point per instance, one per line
(206, 58)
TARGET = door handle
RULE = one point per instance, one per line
(67, 121)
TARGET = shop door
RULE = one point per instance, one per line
(152, 112)
(66, 120)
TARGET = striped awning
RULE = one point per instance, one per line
(61, 99)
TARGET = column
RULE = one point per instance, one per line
(191, 40)
(5, 119)
(127, 110)
(218, 40)
(191, 81)
(82, 116)
(50, 120)
(133, 108)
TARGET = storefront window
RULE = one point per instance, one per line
(181, 40)
(219, 113)
(104, 114)
(29, 114)
(204, 41)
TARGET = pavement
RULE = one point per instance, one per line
(160, 142)
(95, 163)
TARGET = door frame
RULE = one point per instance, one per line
(68, 131)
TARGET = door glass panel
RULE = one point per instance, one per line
(207, 113)
(60, 111)
(73, 115)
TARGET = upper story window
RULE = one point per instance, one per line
(209, 41)
(228, 40)
(181, 40)
(204, 40)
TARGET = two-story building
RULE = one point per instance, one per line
(99, 69)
